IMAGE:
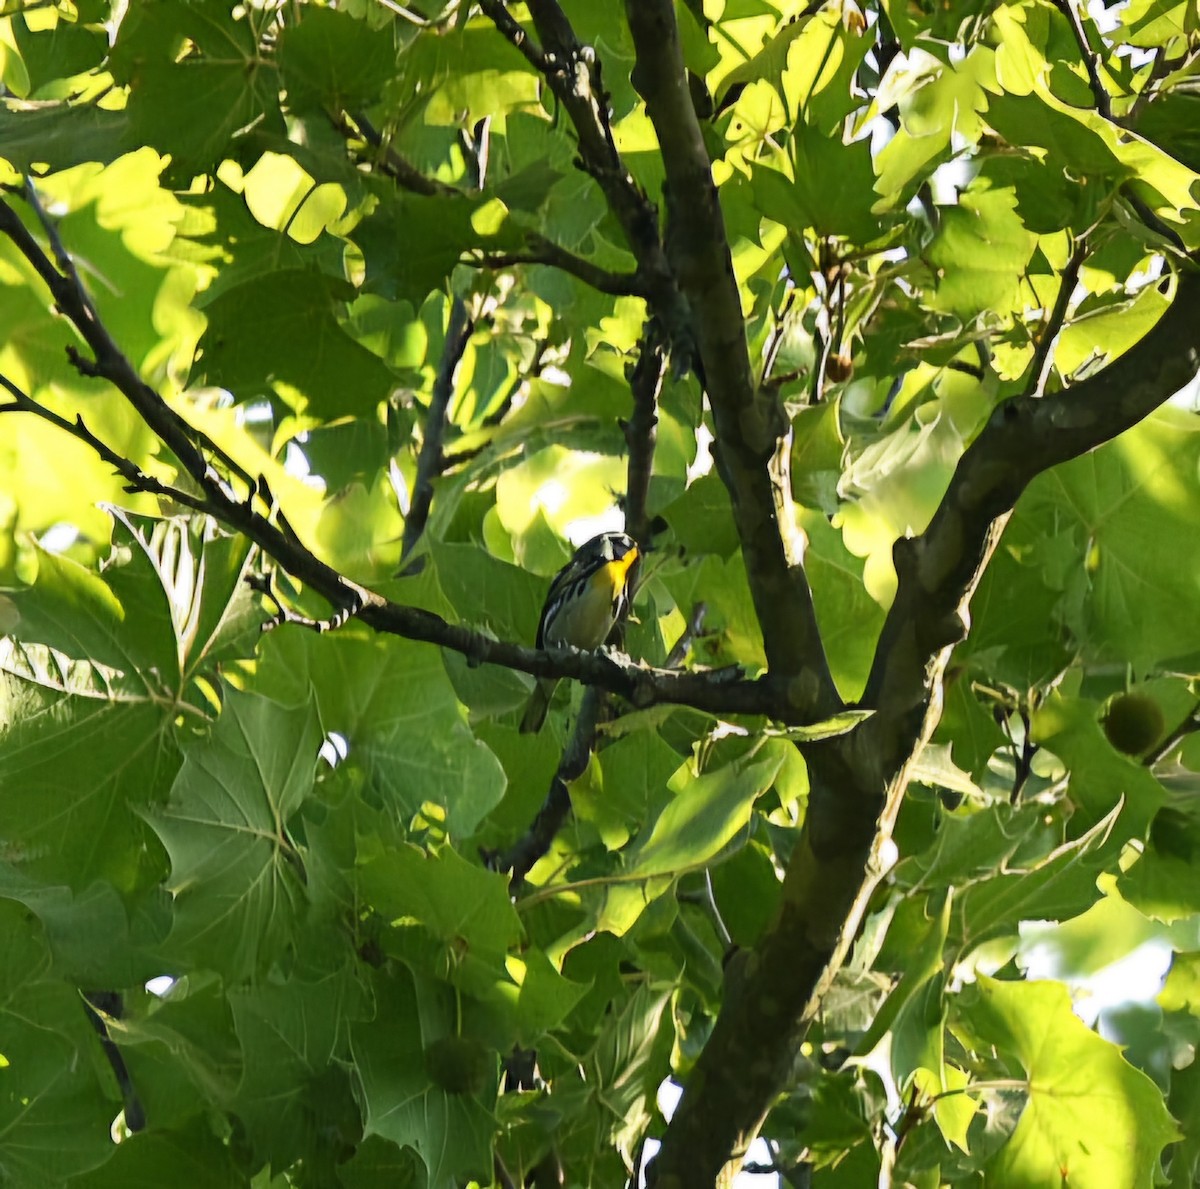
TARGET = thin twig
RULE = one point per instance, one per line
(135, 478)
(520, 858)
(545, 251)
(503, 1177)
(1156, 224)
(497, 10)
(431, 460)
(389, 160)
(1043, 355)
(645, 383)
(695, 626)
(1189, 726)
(718, 921)
(1091, 60)
(497, 415)
(1159, 69)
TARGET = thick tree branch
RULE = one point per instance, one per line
(1024, 437)
(748, 420)
(858, 780)
(431, 460)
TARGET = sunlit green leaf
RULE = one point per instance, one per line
(1087, 1109)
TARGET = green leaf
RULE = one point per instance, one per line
(452, 1133)
(1055, 888)
(465, 907)
(937, 100)
(1088, 1114)
(189, 1155)
(546, 998)
(282, 329)
(706, 814)
(65, 48)
(849, 619)
(193, 105)
(1134, 495)
(237, 874)
(294, 1100)
(61, 136)
(630, 1061)
(972, 730)
(94, 940)
(330, 59)
(75, 773)
(831, 187)
(412, 242)
(56, 1094)
(980, 250)
(182, 1052)
(392, 703)
(77, 613)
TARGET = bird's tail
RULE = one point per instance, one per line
(536, 707)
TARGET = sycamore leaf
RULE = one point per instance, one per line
(1089, 1117)
(237, 874)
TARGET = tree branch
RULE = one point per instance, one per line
(431, 460)
(520, 858)
(388, 160)
(573, 73)
(135, 478)
(1024, 436)
(1043, 355)
(718, 691)
(1091, 60)
(748, 420)
(645, 380)
(544, 251)
(641, 431)
(857, 781)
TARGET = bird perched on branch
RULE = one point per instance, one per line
(588, 595)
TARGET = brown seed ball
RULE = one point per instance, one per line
(839, 368)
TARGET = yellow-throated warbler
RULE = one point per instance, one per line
(588, 595)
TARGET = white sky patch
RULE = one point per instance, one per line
(335, 749)
(669, 1094)
(948, 179)
(1137, 977)
(400, 487)
(296, 463)
(703, 461)
(587, 527)
(59, 537)
(1188, 397)
(551, 496)
(555, 375)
